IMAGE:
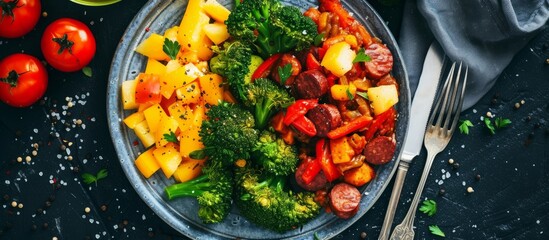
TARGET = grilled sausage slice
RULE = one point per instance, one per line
(325, 117)
(381, 63)
(344, 200)
(310, 84)
(379, 150)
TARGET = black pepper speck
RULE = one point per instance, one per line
(34, 227)
(6, 197)
(103, 208)
(477, 177)
(51, 198)
(455, 165)
(363, 235)
(441, 191)
(45, 225)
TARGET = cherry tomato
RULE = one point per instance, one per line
(147, 89)
(23, 80)
(18, 17)
(68, 45)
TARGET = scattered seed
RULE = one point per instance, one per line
(54, 238)
(477, 177)
(455, 165)
(19, 159)
(28, 158)
(363, 235)
(489, 114)
(45, 225)
(14, 204)
(441, 191)
(20, 205)
(34, 153)
(517, 105)
(522, 102)
(44, 14)
(470, 190)
(87, 210)
(451, 161)
(103, 208)
(69, 158)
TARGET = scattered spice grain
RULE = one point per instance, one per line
(470, 190)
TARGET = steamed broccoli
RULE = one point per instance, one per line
(213, 191)
(262, 199)
(271, 27)
(266, 97)
(274, 155)
(228, 134)
(232, 62)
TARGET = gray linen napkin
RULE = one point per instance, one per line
(486, 34)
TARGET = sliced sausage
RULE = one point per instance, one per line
(344, 200)
(379, 150)
(310, 84)
(282, 62)
(318, 183)
(325, 117)
(382, 60)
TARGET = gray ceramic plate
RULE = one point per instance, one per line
(181, 214)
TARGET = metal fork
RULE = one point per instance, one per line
(446, 111)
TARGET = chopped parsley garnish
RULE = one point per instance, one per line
(489, 125)
(429, 207)
(435, 230)
(284, 73)
(87, 71)
(362, 94)
(171, 48)
(349, 94)
(464, 126)
(171, 137)
(502, 122)
(361, 56)
(89, 178)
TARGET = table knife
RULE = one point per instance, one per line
(419, 113)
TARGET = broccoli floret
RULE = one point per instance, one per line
(213, 191)
(228, 134)
(262, 199)
(271, 27)
(274, 155)
(232, 62)
(266, 97)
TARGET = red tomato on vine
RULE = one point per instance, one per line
(68, 45)
(18, 17)
(23, 80)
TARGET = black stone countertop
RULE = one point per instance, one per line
(509, 171)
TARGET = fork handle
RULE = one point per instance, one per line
(395, 195)
(405, 231)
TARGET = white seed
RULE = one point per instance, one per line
(14, 204)
(87, 210)
(20, 205)
(489, 114)
(522, 101)
(34, 152)
(470, 190)
(451, 161)
(28, 158)
(19, 159)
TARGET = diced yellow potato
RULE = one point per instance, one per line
(171, 33)
(188, 169)
(382, 97)
(172, 65)
(146, 163)
(152, 47)
(212, 88)
(155, 67)
(199, 114)
(341, 150)
(189, 93)
(216, 11)
(178, 78)
(128, 94)
(191, 35)
(190, 141)
(217, 32)
(134, 119)
(168, 158)
(183, 114)
(153, 114)
(144, 134)
(167, 125)
(339, 58)
(343, 92)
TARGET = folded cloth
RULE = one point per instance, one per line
(485, 34)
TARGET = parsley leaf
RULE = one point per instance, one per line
(198, 154)
(464, 126)
(171, 48)
(87, 71)
(489, 125)
(429, 207)
(284, 73)
(362, 94)
(502, 122)
(435, 230)
(171, 137)
(361, 56)
(349, 94)
(319, 39)
(89, 178)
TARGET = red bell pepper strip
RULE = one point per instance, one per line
(352, 126)
(331, 79)
(378, 122)
(265, 67)
(299, 108)
(304, 125)
(312, 168)
(324, 157)
(311, 62)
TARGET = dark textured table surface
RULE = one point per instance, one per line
(509, 171)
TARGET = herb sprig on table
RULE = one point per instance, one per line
(89, 178)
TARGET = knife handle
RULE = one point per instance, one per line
(395, 195)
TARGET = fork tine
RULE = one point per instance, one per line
(442, 97)
(459, 104)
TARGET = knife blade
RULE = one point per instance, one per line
(419, 113)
